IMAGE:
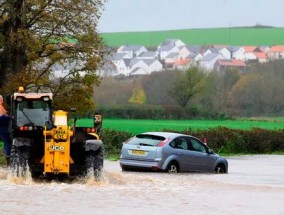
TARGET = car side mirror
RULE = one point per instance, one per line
(210, 151)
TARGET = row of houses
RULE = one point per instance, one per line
(130, 60)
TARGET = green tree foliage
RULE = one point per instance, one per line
(138, 96)
(156, 86)
(187, 84)
(37, 35)
(216, 92)
(113, 91)
(260, 91)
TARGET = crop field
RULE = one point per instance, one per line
(135, 126)
(225, 36)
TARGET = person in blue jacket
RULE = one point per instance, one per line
(4, 130)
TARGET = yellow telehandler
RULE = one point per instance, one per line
(45, 144)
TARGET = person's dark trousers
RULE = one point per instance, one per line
(5, 136)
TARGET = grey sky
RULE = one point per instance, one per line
(151, 15)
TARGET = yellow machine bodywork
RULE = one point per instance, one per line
(57, 157)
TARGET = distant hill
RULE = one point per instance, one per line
(257, 35)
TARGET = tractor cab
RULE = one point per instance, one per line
(30, 112)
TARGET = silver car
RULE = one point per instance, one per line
(170, 152)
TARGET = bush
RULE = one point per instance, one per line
(113, 141)
(220, 139)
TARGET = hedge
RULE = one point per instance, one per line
(156, 112)
(220, 139)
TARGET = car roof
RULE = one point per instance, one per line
(165, 134)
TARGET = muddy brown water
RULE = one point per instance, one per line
(254, 185)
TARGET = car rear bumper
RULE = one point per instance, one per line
(140, 164)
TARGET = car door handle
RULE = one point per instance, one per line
(180, 153)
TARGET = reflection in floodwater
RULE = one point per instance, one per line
(254, 185)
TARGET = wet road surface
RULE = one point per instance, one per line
(254, 185)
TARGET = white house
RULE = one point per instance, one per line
(148, 55)
(249, 53)
(122, 66)
(276, 52)
(164, 51)
(250, 56)
(261, 57)
(264, 49)
(138, 63)
(147, 65)
(172, 58)
(132, 50)
(208, 61)
(194, 57)
(224, 51)
(221, 50)
(154, 65)
(185, 51)
(237, 52)
(119, 56)
(182, 64)
(171, 42)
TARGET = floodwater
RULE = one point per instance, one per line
(254, 185)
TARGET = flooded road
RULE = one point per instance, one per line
(254, 185)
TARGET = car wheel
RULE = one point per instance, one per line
(172, 168)
(220, 169)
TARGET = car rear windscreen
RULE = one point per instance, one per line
(146, 140)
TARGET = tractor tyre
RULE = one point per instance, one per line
(94, 162)
(19, 160)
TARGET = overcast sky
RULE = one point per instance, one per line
(152, 15)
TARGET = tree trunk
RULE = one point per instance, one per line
(12, 56)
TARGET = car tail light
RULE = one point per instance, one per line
(163, 142)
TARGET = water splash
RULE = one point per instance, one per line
(96, 177)
(20, 174)
(3, 173)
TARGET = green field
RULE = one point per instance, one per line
(137, 126)
(229, 36)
